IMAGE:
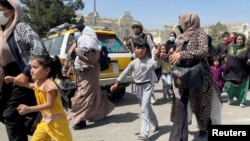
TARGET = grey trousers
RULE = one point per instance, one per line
(149, 120)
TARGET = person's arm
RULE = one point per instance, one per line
(11, 79)
(122, 76)
(51, 95)
(30, 45)
(150, 42)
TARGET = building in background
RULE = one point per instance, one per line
(122, 26)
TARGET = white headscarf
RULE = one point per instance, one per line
(88, 40)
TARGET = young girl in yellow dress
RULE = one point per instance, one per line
(54, 124)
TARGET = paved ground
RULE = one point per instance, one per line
(123, 124)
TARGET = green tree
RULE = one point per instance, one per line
(215, 31)
(43, 15)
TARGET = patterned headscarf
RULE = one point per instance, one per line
(6, 55)
(189, 22)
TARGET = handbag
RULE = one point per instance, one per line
(188, 77)
(31, 122)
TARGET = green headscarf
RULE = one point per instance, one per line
(237, 47)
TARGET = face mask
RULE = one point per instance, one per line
(180, 29)
(3, 19)
(172, 39)
(77, 35)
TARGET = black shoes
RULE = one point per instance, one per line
(80, 125)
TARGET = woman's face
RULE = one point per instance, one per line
(7, 13)
(239, 40)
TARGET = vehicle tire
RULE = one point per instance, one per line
(119, 93)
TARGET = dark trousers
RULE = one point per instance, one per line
(180, 124)
(11, 97)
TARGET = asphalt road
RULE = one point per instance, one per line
(123, 123)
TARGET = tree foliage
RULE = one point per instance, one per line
(216, 30)
(43, 15)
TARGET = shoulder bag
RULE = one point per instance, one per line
(188, 74)
(188, 77)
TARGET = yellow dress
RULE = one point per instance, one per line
(166, 67)
(54, 124)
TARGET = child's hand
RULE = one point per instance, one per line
(163, 56)
(9, 79)
(113, 87)
(157, 53)
(23, 109)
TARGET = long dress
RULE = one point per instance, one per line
(88, 102)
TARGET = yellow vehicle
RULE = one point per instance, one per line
(58, 42)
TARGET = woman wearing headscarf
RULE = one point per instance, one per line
(236, 73)
(18, 43)
(88, 102)
(204, 101)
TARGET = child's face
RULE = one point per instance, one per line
(140, 51)
(163, 49)
(216, 63)
(37, 71)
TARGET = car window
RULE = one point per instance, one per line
(47, 43)
(54, 45)
(70, 42)
(113, 44)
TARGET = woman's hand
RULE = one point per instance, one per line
(174, 58)
(9, 79)
(77, 49)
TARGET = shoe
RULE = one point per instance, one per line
(154, 129)
(170, 93)
(242, 105)
(230, 102)
(202, 134)
(153, 101)
(142, 137)
(80, 125)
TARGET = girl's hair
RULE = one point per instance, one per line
(53, 63)
(217, 58)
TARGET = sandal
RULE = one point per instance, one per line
(142, 137)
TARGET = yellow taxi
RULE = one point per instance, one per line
(58, 42)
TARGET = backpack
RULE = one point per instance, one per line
(104, 59)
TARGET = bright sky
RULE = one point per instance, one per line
(153, 14)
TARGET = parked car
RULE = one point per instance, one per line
(58, 41)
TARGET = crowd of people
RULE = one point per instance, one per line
(27, 74)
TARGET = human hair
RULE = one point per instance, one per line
(225, 34)
(141, 43)
(6, 4)
(173, 34)
(217, 58)
(163, 45)
(50, 62)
